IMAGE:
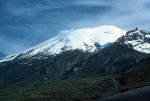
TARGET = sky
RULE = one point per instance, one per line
(25, 23)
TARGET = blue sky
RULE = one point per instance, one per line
(25, 23)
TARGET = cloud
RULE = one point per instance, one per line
(94, 2)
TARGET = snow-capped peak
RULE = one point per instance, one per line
(84, 39)
(137, 39)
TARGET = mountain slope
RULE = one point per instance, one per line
(115, 58)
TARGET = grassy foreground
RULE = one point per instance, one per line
(63, 90)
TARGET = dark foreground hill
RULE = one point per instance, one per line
(139, 94)
(132, 85)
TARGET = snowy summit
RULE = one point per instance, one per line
(85, 39)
